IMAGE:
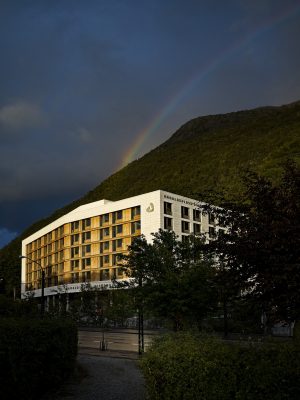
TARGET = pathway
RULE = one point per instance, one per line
(106, 378)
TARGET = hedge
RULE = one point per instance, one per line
(188, 367)
(35, 356)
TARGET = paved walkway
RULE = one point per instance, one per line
(105, 378)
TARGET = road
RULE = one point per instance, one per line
(116, 339)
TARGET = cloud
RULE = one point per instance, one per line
(20, 115)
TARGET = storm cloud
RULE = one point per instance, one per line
(81, 80)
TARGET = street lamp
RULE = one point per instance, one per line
(43, 283)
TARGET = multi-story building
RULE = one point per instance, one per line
(86, 244)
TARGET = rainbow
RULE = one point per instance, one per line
(198, 76)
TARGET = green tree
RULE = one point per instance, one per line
(171, 278)
(260, 250)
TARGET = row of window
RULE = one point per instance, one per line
(185, 212)
(185, 226)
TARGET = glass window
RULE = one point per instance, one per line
(117, 215)
(86, 223)
(86, 249)
(167, 208)
(185, 212)
(135, 227)
(168, 223)
(86, 236)
(86, 262)
(185, 227)
(106, 259)
(106, 245)
(104, 219)
(135, 211)
(74, 252)
(197, 229)
(197, 215)
(74, 239)
(74, 264)
(74, 226)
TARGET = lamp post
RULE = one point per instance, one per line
(43, 283)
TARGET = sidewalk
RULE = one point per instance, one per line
(101, 377)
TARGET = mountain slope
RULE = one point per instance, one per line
(205, 156)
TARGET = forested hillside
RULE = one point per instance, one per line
(204, 159)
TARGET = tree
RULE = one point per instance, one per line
(260, 251)
(171, 278)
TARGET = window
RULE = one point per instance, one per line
(105, 232)
(106, 246)
(86, 223)
(86, 262)
(117, 258)
(104, 219)
(117, 230)
(61, 266)
(185, 227)
(86, 236)
(135, 211)
(185, 212)
(119, 243)
(117, 215)
(168, 223)
(74, 239)
(86, 249)
(61, 231)
(75, 277)
(104, 275)
(86, 276)
(135, 227)
(74, 252)
(197, 229)
(197, 215)
(106, 259)
(74, 226)
(74, 264)
(167, 208)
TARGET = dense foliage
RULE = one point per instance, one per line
(170, 278)
(188, 367)
(203, 158)
(35, 356)
(260, 252)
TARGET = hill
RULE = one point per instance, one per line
(203, 159)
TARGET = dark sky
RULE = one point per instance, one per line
(88, 86)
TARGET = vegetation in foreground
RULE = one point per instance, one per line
(36, 355)
(186, 366)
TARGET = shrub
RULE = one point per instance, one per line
(184, 366)
(35, 356)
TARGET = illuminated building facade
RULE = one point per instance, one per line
(86, 244)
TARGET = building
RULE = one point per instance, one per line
(86, 244)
